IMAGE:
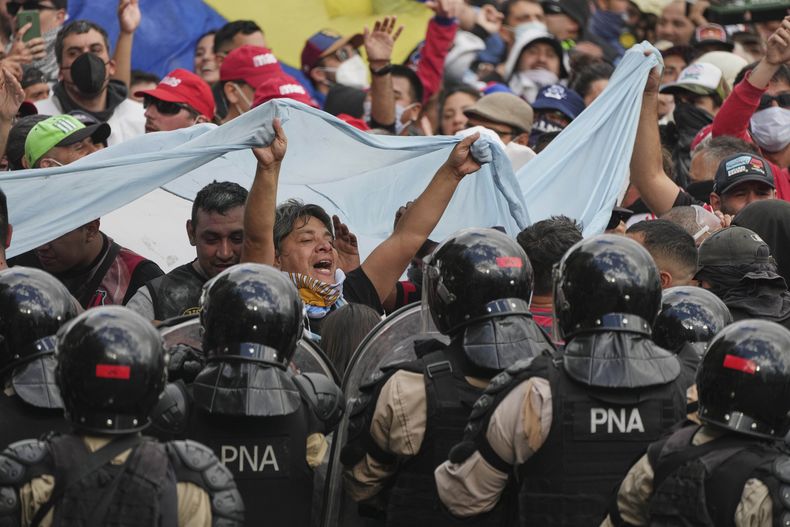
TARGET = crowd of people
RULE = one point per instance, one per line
(639, 376)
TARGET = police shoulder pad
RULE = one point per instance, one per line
(196, 463)
(16, 459)
(323, 396)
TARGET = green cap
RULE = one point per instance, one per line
(60, 130)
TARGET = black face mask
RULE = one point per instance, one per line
(88, 74)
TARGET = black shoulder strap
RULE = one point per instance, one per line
(93, 462)
(439, 372)
(98, 276)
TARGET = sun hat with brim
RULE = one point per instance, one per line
(701, 78)
(60, 130)
(503, 108)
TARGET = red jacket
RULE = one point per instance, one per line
(430, 64)
(733, 120)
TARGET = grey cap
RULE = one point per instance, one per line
(504, 108)
(733, 246)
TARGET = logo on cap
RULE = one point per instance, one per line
(290, 89)
(173, 82)
(263, 59)
(555, 92)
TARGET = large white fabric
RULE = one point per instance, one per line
(363, 178)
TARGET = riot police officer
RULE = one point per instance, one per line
(33, 305)
(572, 425)
(733, 469)
(110, 372)
(477, 286)
(266, 424)
(690, 317)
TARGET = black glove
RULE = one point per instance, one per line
(185, 363)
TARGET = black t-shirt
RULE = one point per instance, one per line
(357, 289)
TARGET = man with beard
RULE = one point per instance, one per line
(82, 51)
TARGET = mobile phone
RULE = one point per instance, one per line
(32, 16)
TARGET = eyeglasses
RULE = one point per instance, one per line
(165, 107)
(783, 100)
(14, 7)
(344, 53)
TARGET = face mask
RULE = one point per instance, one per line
(526, 27)
(542, 126)
(57, 163)
(352, 72)
(88, 73)
(528, 83)
(771, 128)
(244, 98)
(399, 111)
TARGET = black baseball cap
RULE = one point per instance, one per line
(738, 168)
(733, 246)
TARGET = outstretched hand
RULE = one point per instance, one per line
(273, 154)
(129, 15)
(346, 245)
(380, 41)
(777, 49)
(11, 95)
(461, 162)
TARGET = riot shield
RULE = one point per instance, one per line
(390, 342)
(309, 357)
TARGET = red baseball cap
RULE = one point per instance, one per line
(184, 87)
(251, 64)
(282, 86)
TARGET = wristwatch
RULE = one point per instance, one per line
(384, 70)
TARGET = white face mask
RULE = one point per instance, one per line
(352, 72)
(244, 98)
(771, 128)
(57, 163)
(400, 125)
(528, 83)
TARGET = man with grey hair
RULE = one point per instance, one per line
(695, 220)
(299, 239)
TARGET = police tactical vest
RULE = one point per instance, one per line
(595, 436)
(177, 293)
(413, 499)
(701, 485)
(268, 459)
(139, 492)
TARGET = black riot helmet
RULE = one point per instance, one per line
(476, 274)
(606, 282)
(689, 315)
(744, 379)
(33, 305)
(111, 370)
(251, 312)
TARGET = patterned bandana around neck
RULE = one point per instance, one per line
(318, 296)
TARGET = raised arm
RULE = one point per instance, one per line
(261, 205)
(388, 261)
(378, 48)
(11, 96)
(647, 172)
(129, 19)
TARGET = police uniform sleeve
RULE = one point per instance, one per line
(194, 506)
(756, 507)
(397, 428)
(517, 429)
(633, 495)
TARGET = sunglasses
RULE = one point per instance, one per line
(165, 107)
(783, 100)
(13, 7)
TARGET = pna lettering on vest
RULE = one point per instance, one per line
(249, 458)
(610, 420)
